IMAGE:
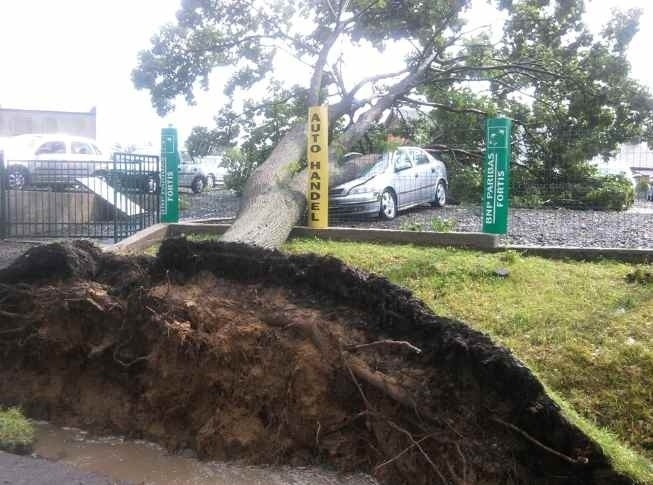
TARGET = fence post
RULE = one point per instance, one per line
(3, 195)
(115, 203)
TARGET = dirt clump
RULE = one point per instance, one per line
(245, 354)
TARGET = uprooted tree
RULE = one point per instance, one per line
(546, 54)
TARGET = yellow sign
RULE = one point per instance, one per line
(318, 167)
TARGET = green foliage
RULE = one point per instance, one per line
(509, 256)
(443, 225)
(640, 275)
(465, 182)
(184, 202)
(614, 192)
(239, 168)
(16, 432)
(203, 141)
(569, 91)
(412, 226)
(642, 186)
(533, 200)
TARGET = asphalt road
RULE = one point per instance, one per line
(23, 470)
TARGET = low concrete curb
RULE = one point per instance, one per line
(464, 240)
(586, 254)
(467, 240)
(141, 240)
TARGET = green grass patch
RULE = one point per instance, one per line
(16, 432)
(582, 327)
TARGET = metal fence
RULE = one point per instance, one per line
(100, 199)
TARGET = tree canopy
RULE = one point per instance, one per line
(569, 91)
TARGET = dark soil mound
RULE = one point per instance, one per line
(242, 353)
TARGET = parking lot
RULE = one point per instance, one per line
(539, 227)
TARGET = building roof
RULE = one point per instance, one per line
(92, 111)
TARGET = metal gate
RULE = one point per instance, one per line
(100, 199)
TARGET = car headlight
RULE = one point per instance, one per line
(361, 189)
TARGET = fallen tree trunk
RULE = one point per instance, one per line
(275, 198)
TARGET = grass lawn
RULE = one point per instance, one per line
(16, 432)
(582, 328)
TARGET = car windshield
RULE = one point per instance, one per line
(379, 166)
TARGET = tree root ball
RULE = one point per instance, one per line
(255, 355)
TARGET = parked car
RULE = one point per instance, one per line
(202, 173)
(50, 159)
(398, 180)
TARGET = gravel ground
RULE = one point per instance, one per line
(23, 470)
(212, 204)
(538, 227)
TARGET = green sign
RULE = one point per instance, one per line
(169, 176)
(496, 176)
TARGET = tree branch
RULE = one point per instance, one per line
(443, 106)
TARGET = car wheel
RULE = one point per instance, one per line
(16, 178)
(198, 185)
(440, 196)
(210, 181)
(388, 205)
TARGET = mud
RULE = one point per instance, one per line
(245, 354)
(22, 470)
(142, 462)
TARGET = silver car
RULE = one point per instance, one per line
(400, 179)
(200, 174)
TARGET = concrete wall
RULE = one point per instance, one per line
(31, 213)
(20, 122)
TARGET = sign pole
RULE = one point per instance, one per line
(318, 167)
(496, 176)
(169, 176)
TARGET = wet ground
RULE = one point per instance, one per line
(24, 470)
(83, 458)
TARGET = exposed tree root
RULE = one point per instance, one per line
(245, 354)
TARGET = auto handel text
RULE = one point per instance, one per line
(318, 168)
(495, 190)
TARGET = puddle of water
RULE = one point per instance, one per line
(144, 462)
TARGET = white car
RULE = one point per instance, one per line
(50, 159)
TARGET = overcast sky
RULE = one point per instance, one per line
(76, 54)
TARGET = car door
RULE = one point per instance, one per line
(428, 176)
(404, 182)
